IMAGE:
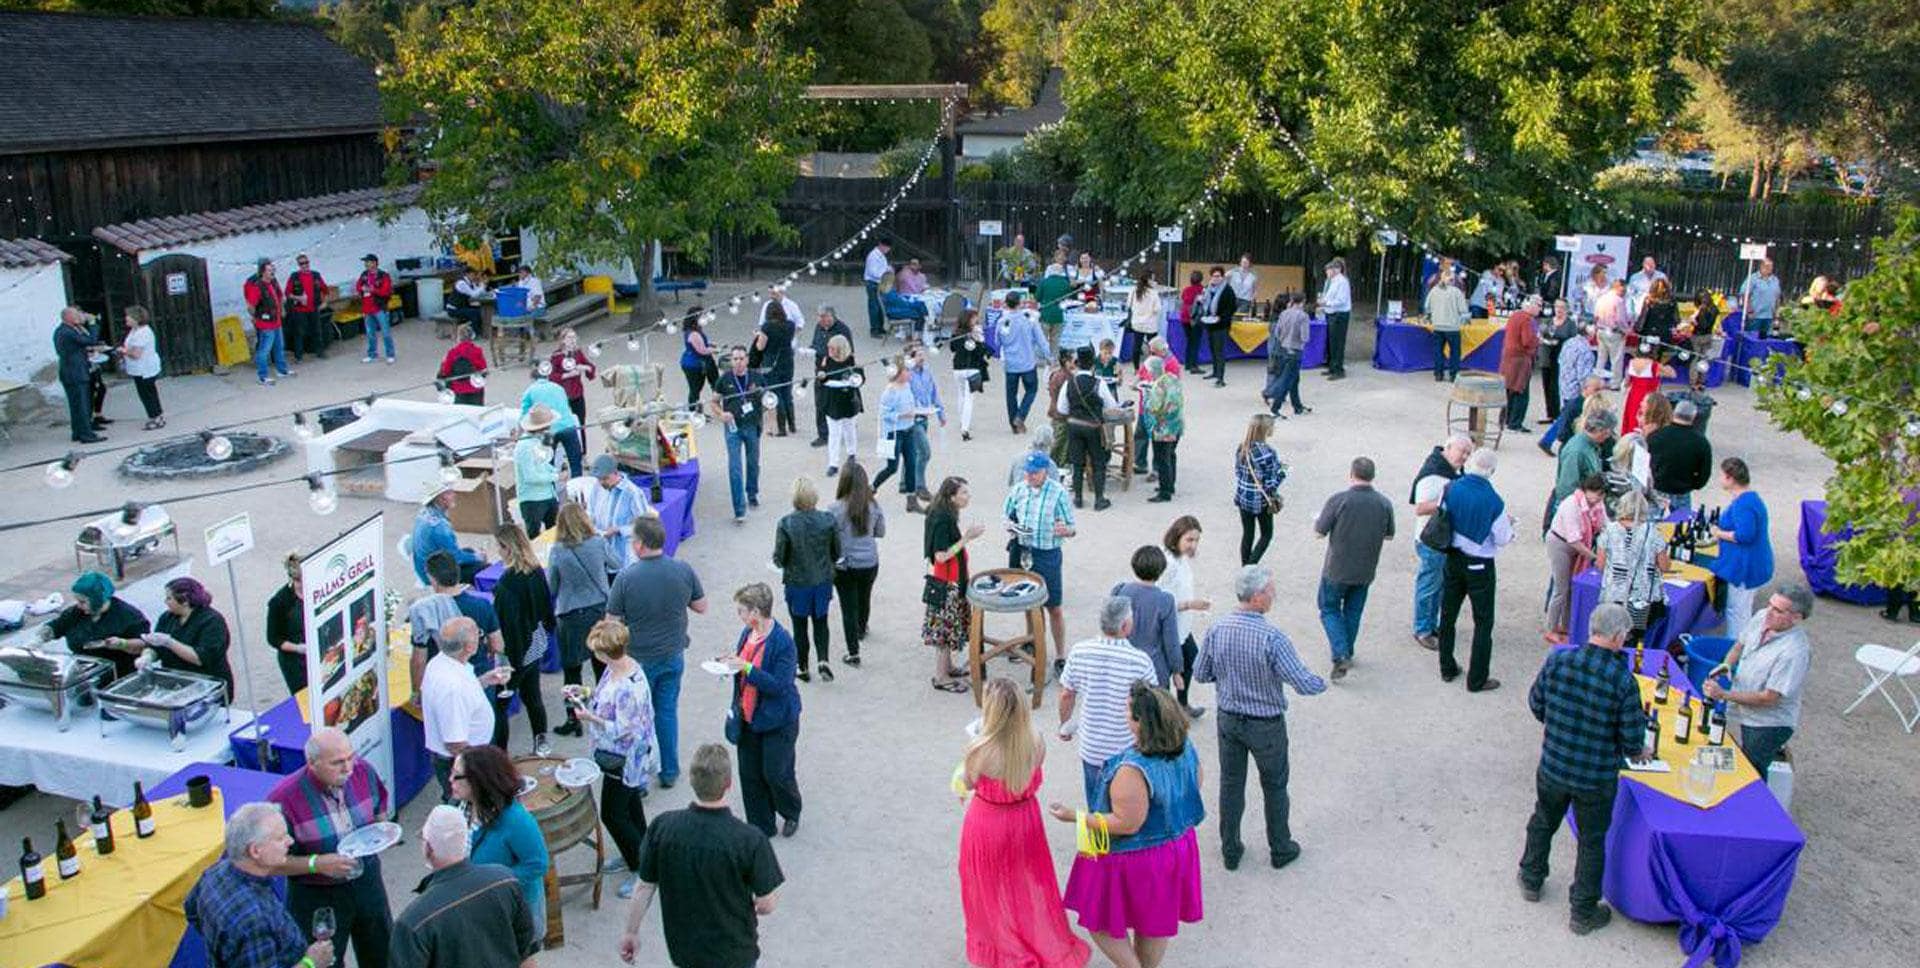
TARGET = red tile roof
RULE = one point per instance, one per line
(26, 253)
(176, 230)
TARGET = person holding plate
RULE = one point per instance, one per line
(335, 794)
(765, 719)
(619, 718)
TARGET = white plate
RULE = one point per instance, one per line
(577, 772)
(716, 667)
(370, 839)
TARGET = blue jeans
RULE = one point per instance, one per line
(379, 326)
(915, 477)
(1017, 411)
(743, 458)
(876, 317)
(1426, 589)
(1340, 608)
(1286, 383)
(1446, 355)
(663, 679)
(269, 344)
(1090, 780)
(1562, 427)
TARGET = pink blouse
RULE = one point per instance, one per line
(1577, 522)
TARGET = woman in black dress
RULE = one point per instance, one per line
(945, 548)
(525, 607)
(840, 380)
(287, 629)
(94, 619)
(190, 637)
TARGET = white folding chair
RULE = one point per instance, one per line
(1884, 666)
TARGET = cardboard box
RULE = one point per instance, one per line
(474, 511)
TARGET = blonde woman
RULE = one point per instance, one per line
(840, 401)
(578, 573)
(1257, 476)
(1630, 451)
(1008, 890)
(620, 719)
(806, 543)
(527, 627)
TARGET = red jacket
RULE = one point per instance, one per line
(304, 289)
(374, 287)
(467, 352)
(265, 302)
(583, 369)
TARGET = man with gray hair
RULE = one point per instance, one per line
(1769, 663)
(1094, 686)
(334, 794)
(1429, 483)
(1481, 527)
(1681, 458)
(453, 703)
(827, 326)
(467, 914)
(234, 907)
(1580, 457)
(1590, 705)
(1252, 662)
(1355, 522)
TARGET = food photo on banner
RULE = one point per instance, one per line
(343, 580)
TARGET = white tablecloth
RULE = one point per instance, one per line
(1083, 328)
(81, 763)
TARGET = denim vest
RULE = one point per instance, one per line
(1173, 792)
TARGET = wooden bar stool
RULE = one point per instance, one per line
(984, 595)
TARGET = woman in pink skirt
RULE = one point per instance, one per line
(1132, 898)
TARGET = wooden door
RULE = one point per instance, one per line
(174, 290)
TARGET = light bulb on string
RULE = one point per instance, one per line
(594, 350)
(768, 400)
(478, 380)
(633, 343)
(1839, 408)
(1913, 428)
(544, 368)
(672, 327)
(1804, 393)
(60, 472)
(304, 429)
(800, 390)
(218, 447)
(322, 501)
(733, 305)
(619, 430)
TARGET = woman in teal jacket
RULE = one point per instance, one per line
(504, 832)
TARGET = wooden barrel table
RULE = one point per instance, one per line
(984, 595)
(567, 819)
(1478, 393)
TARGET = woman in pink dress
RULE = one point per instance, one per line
(1007, 885)
(1133, 896)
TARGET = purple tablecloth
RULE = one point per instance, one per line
(1688, 611)
(287, 734)
(1820, 553)
(1752, 352)
(238, 788)
(1406, 348)
(1314, 355)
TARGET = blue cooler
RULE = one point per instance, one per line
(1703, 653)
(512, 301)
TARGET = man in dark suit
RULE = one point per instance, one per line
(1217, 307)
(71, 344)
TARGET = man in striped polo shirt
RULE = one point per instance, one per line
(1095, 684)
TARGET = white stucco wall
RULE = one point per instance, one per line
(335, 248)
(30, 304)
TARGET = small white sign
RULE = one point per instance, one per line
(1387, 237)
(1172, 233)
(1753, 251)
(176, 283)
(1566, 243)
(990, 229)
(230, 538)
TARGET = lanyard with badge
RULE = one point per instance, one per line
(743, 389)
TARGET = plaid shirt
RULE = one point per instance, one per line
(1252, 662)
(1036, 510)
(1591, 706)
(244, 923)
(318, 817)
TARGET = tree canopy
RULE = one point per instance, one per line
(1857, 397)
(602, 125)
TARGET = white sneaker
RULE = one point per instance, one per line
(541, 747)
(389, 361)
(367, 360)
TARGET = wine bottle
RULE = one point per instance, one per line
(1650, 742)
(1683, 722)
(101, 823)
(1639, 658)
(1717, 725)
(142, 812)
(33, 874)
(1661, 687)
(65, 858)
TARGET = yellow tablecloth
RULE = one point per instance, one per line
(399, 674)
(1678, 756)
(1472, 335)
(1690, 572)
(1248, 334)
(125, 909)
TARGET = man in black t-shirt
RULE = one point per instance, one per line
(716, 876)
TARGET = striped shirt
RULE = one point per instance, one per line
(1034, 511)
(1252, 662)
(1100, 673)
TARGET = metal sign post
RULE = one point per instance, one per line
(1386, 238)
(1170, 236)
(1567, 246)
(227, 540)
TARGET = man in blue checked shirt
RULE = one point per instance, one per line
(1251, 662)
(1591, 707)
(1039, 515)
(234, 908)
(1023, 347)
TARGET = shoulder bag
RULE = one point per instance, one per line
(1275, 501)
(1437, 533)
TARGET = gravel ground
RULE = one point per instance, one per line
(1409, 796)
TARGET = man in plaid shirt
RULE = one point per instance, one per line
(1041, 518)
(335, 794)
(234, 907)
(1590, 704)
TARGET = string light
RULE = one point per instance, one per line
(319, 498)
(60, 472)
(302, 428)
(218, 447)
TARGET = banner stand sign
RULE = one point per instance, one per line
(341, 586)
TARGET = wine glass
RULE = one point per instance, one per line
(323, 924)
(506, 688)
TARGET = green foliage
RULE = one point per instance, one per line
(1857, 397)
(1438, 115)
(1022, 38)
(856, 42)
(231, 9)
(601, 124)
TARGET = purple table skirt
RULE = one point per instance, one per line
(1688, 611)
(1820, 553)
(1312, 356)
(238, 788)
(287, 734)
(1752, 352)
(1406, 348)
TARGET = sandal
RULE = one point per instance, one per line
(950, 685)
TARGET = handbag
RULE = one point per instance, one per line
(610, 763)
(1275, 501)
(1437, 533)
(537, 647)
(935, 592)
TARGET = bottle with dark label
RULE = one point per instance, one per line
(65, 858)
(33, 874)
(1650, 743)
(1683, 722)
(1717, 725)
(1661, 687)
(142, 812)
(101, 823)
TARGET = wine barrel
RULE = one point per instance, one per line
(567, 818)
(1478, 389)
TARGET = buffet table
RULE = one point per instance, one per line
(81, 763)
(1820, 553)
(124, 910)
(287, 730)
(1751, 352)
(1407, 346)
(1689, 610)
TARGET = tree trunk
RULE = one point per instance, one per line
(646, 306)
(1753, 181)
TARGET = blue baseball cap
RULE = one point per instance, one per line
(1037, 461)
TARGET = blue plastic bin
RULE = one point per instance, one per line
(1703, 653)
(512, 301)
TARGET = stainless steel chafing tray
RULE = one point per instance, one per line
(178, 702)
(57, 682)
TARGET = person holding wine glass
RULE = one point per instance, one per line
(335, 794)
(527, 626)
(234, 907)
(619, 718)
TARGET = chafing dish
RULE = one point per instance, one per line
(117, 538)
(178, 702)
(54, 681)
